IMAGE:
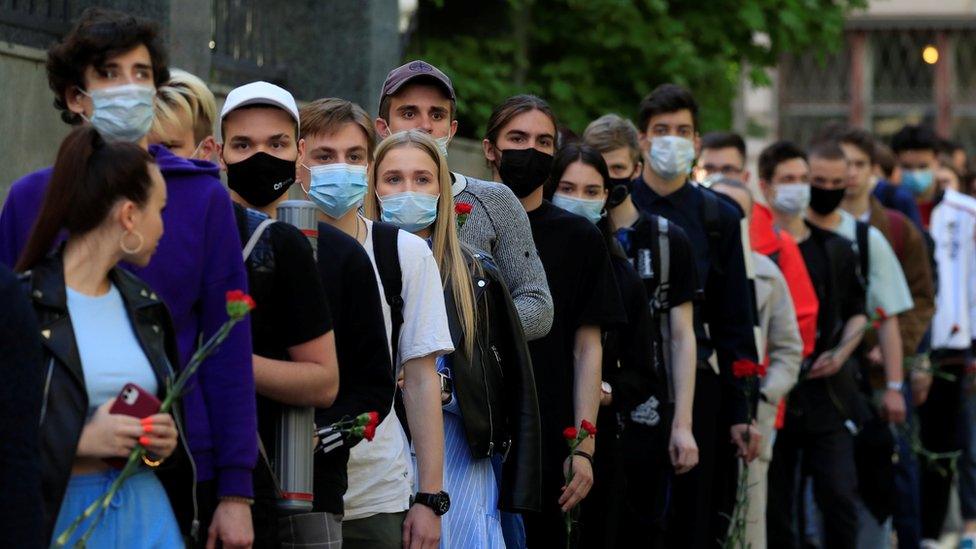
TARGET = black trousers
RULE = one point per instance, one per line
(702, 499)
(826, 456)
(939, 431)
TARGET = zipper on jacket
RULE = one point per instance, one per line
(195, 524)
(491, 423)
(47, 390)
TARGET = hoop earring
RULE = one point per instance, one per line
(137, 248)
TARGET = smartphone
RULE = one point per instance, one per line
(133, 401)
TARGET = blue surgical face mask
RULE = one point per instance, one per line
(122, 113)
(337, 188)
(409, 210)
(590, 209)
(917, 181)
(671, 156)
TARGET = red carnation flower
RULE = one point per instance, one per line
(744, 368)
(374, 418)
(235, 295)
(880, 314)
(369, 431)
(876, 324)
(462, 208)
(570, 433)
(588, 427)
(761, 370)
(249, 301)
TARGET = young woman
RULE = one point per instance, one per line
(488, 395)
(631, 476)
(519, 144)
(108, 198)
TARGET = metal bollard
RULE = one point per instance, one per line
(293, 446)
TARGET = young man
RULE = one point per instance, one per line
(418, 95)
(617, 140)
(519, 143)
(186, 111)
(814, 432)
(724, 320)
(950, 218)
(782, 351)
(912, 252)
(294, 344)
(381, 508)
(724, 153)
(887, 184)
(915, 149)
(106, 70)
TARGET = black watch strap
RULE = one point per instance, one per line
(440, 502)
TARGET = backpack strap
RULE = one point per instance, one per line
(387, 254)
(661, 244)
(863, 248)
(896, 230)
(256, 234)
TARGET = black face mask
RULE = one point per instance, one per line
(524, 170)
(619, 189)
(261, 178)
(824, 201)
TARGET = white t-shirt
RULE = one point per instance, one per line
(379, 471)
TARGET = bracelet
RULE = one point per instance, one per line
(895, 385)
(238, 499)
(584, 455)
(152, 463)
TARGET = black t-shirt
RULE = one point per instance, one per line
(631, 355)
(833, 266)
(291, 305)
(584, 293)
(365, 374)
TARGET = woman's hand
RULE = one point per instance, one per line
(109, 435)
(159, 436)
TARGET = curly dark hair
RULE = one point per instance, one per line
(98, 35)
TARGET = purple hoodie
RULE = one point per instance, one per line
(198, 260)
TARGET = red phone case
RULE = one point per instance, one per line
(133, 401)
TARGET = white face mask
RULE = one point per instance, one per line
(442, 145)
(671, 156)
(791, 198)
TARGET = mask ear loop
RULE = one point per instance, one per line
(302, 164)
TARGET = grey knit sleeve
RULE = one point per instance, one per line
(498, 224)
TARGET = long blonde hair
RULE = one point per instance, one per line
(447, 248)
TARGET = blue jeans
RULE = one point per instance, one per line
(513, 529)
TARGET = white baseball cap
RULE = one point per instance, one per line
(260, 93)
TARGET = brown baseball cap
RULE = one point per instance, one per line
(413, 70)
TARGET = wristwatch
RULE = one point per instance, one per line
(439, 502)
(606, 388)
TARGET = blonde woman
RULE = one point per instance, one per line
(488, 389)
(183, 117)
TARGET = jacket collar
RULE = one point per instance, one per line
(47, 289)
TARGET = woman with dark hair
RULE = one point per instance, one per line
(108, 198)
(631, 476)
(519, 145)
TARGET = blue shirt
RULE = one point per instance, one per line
(107, 367)
(728, 306)
(896, 198)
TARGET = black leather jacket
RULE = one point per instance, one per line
(64, 408)
(495, 388)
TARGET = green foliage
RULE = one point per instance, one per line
(590, 57)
